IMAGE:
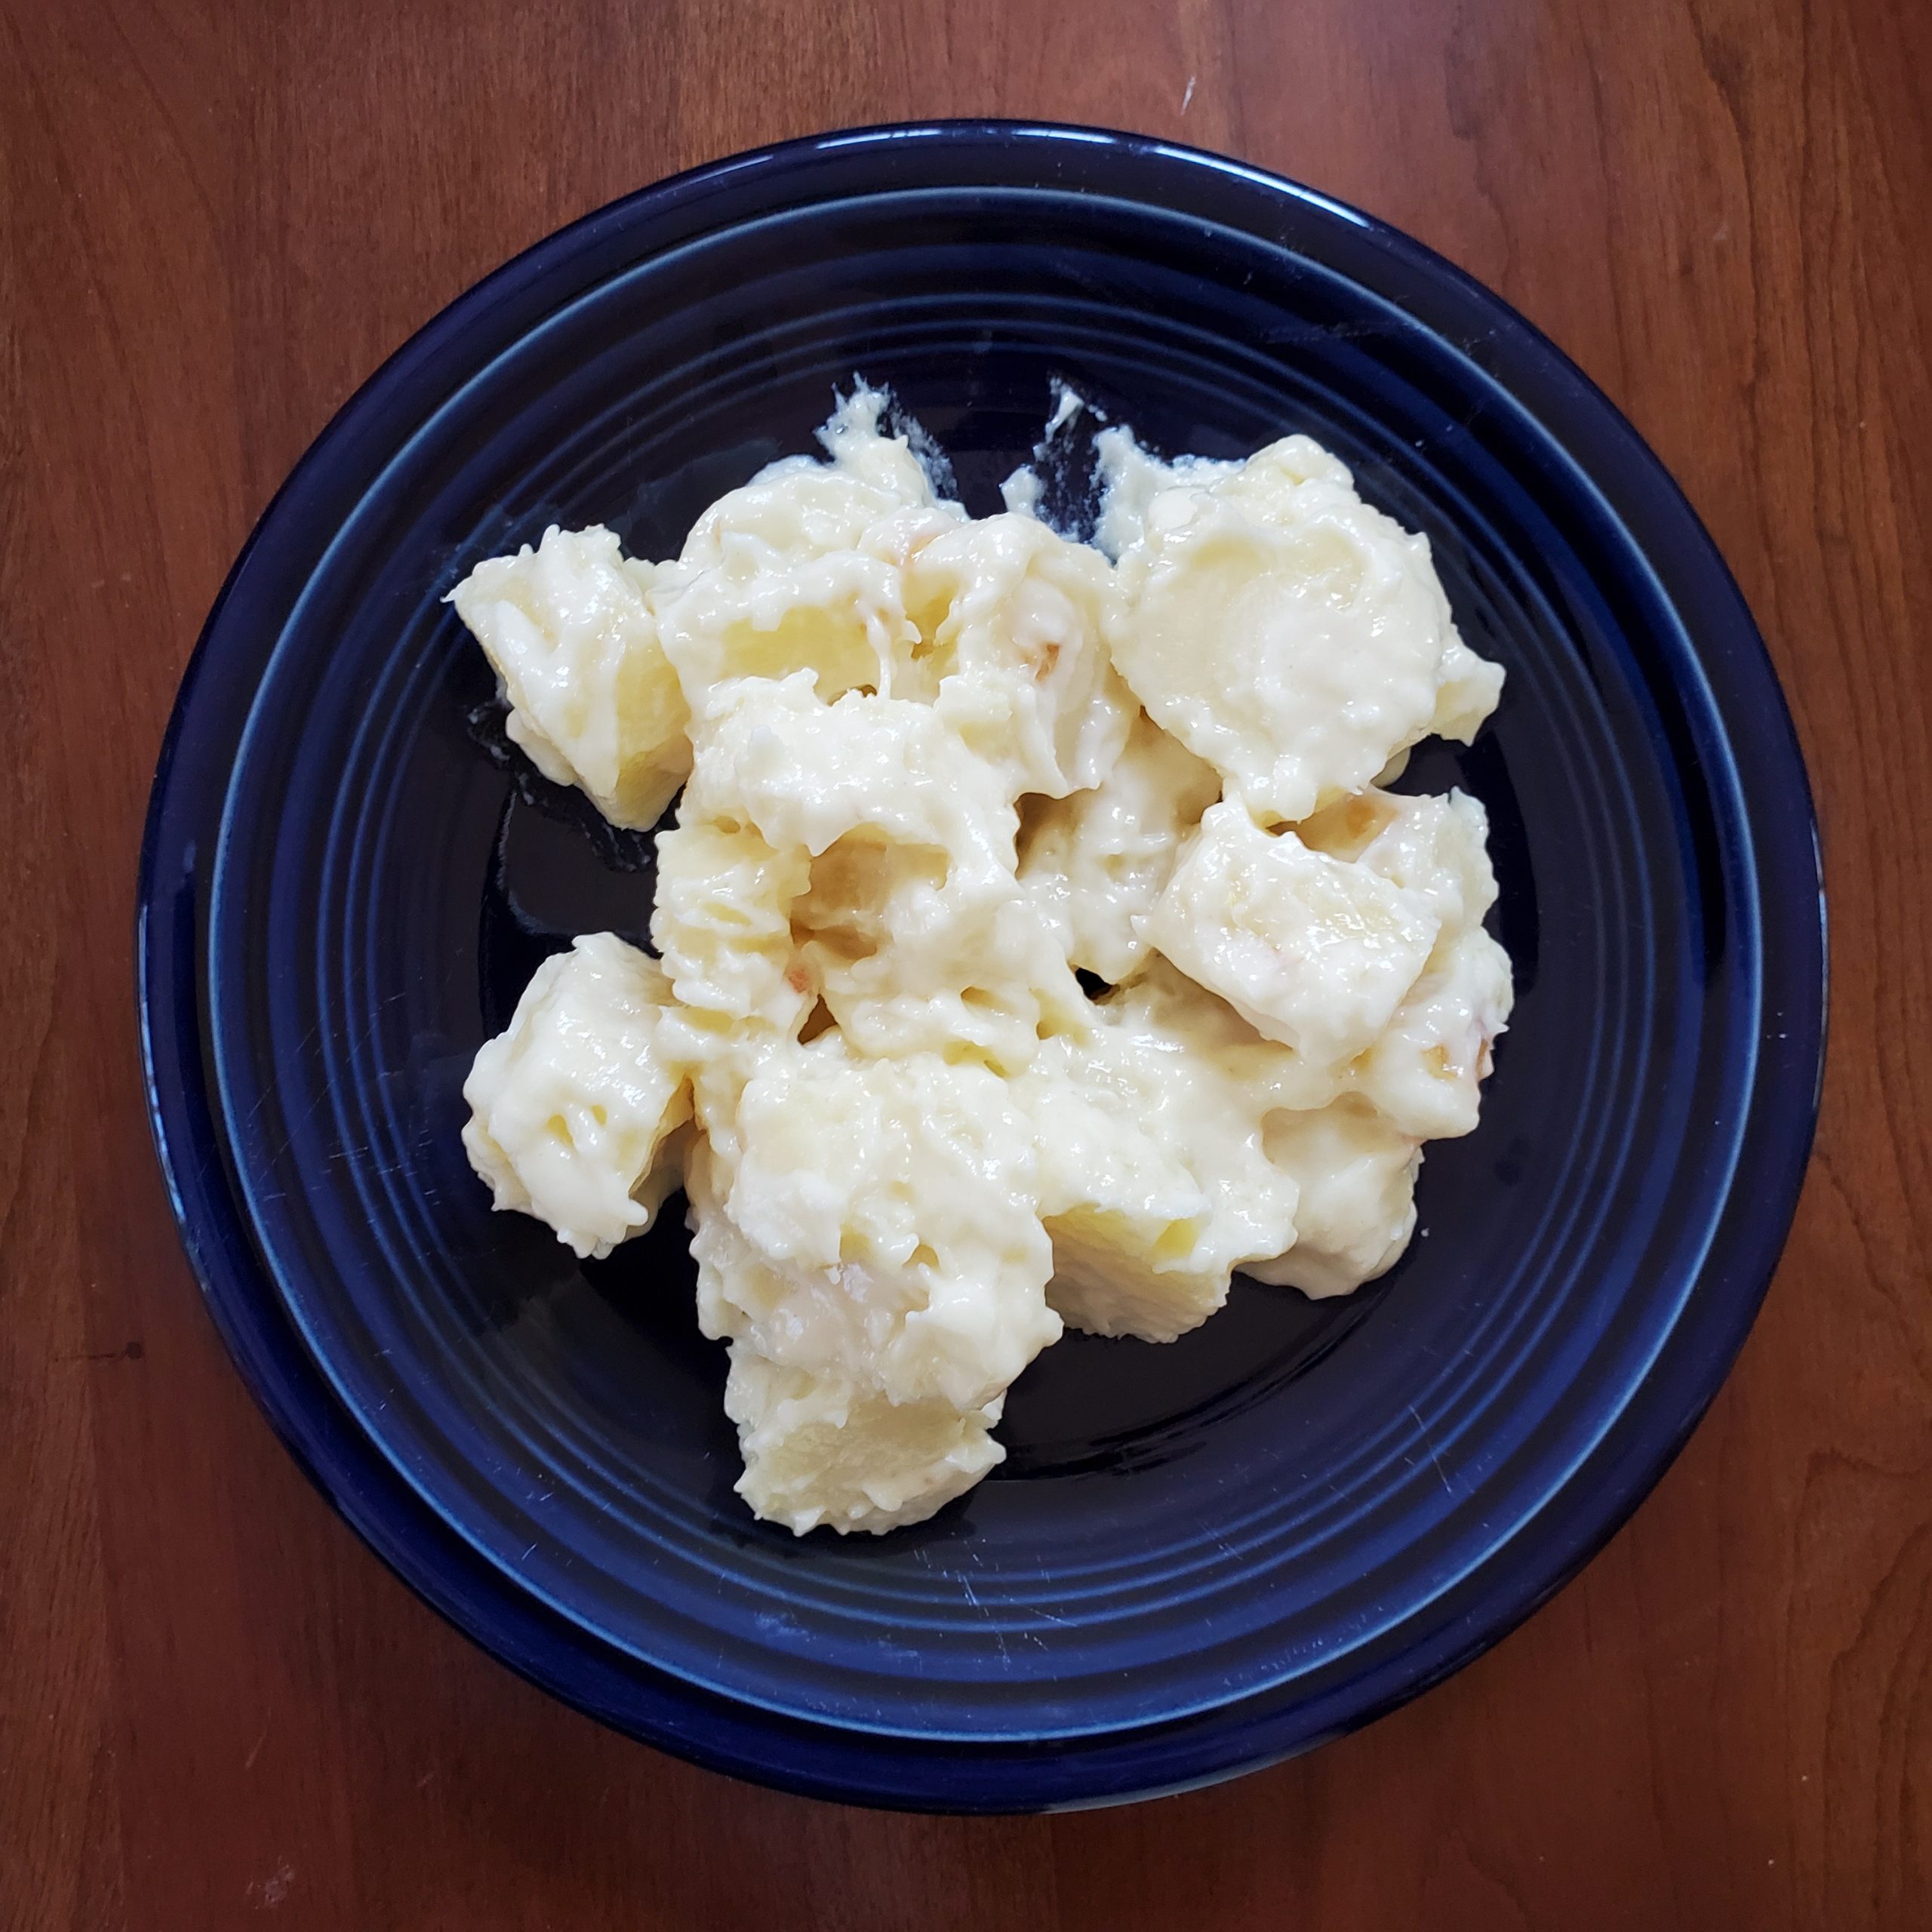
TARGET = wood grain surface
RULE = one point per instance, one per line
(216, 1709)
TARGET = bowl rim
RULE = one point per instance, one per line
(405, 1531)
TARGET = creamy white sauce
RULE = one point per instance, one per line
(931, 766)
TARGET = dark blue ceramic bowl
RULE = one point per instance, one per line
(1196, 1559)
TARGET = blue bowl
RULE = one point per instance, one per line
(1197, 1558)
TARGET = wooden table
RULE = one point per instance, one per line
(218, 217)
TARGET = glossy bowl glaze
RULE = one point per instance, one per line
(1197, 1558)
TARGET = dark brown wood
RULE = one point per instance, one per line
(218, 217)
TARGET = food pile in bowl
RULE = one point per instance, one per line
(1038, 939)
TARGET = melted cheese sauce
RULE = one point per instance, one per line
(933, 770)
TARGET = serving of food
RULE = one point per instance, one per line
(953, 952)
(1039, 940)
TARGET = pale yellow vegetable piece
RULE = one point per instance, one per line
(878, 1220)
(1014, 624)
(1096, 863)
(1355, 1174)
(1286, 631)
(1155, 1182)
(1313, 951)
(802, 569)
(569, 629)
(722, 925)
(1425, 1071)
(573, 1106)
(821, 1451)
